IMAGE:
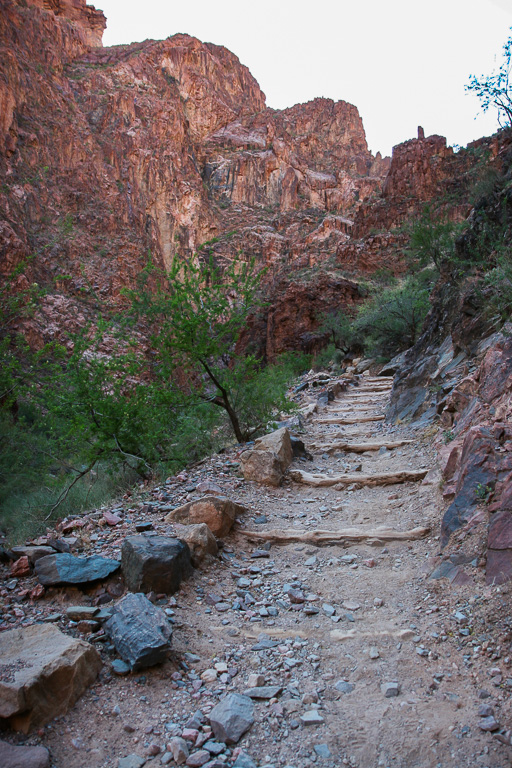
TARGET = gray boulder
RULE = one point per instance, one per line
(23, 757)
(139, 631)
(64, 568)
(154, 563)
(231, 718)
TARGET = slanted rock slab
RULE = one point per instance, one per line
(263, 691)
(232, 717)
(44, 672)
(23, 757)
(217, 512)
(279, 443)
(64, 568)
(154, 563)
(139, 631)
(200, 540)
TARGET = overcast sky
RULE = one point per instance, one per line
(402, 63)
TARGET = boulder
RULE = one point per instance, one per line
(200, 540)
(154, 563)
(278, 442)
(269, 459)
(217, 512)
(43, 673)
(12, 756)
(64, 568)
(231, 718)
(139, 631)
(262, 467)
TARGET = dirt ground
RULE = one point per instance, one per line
(371, 616)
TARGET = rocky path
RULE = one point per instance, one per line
(371, 663)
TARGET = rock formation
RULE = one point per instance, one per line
(106, 154)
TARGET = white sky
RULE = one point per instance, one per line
(402, 63)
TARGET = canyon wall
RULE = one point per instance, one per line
(109, 154)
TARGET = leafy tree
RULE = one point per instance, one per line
(198, 312)
(432, 239)
(495, 90)
(391, 320)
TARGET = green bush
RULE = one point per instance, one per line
(391, 320)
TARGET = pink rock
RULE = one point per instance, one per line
(110, 518)
(190, 734)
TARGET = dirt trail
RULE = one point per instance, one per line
(370, 617)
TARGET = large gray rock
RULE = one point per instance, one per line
(154, 563)
(23, 757)
(217, 512)
(43, 673)
(231, 718)
(64, 568)
(139, 631)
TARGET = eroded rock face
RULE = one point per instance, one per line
(89, 23)
(45, 672)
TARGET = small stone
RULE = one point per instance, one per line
(329, 610)
(120, 667)
(79, 612)
(23, 757)
(179, 750)
(351, 605)
(153, 750)
(244, 761)
(142, 527)
(390, 690)
(485, 710)
(254, 681)
(488, 724)
(232, 717)
(374, 653)
(198, 759)
(190, 734)
(378, 602)
(343, 687)
(322, 750)
(209, 676)
(313, 717)
(263, 692)
(131, 761)
(296, 595)
(311, 561)
(214, 747)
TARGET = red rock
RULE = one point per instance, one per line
(21, 567)
(110, 518)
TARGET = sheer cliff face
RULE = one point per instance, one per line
(107, 154)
